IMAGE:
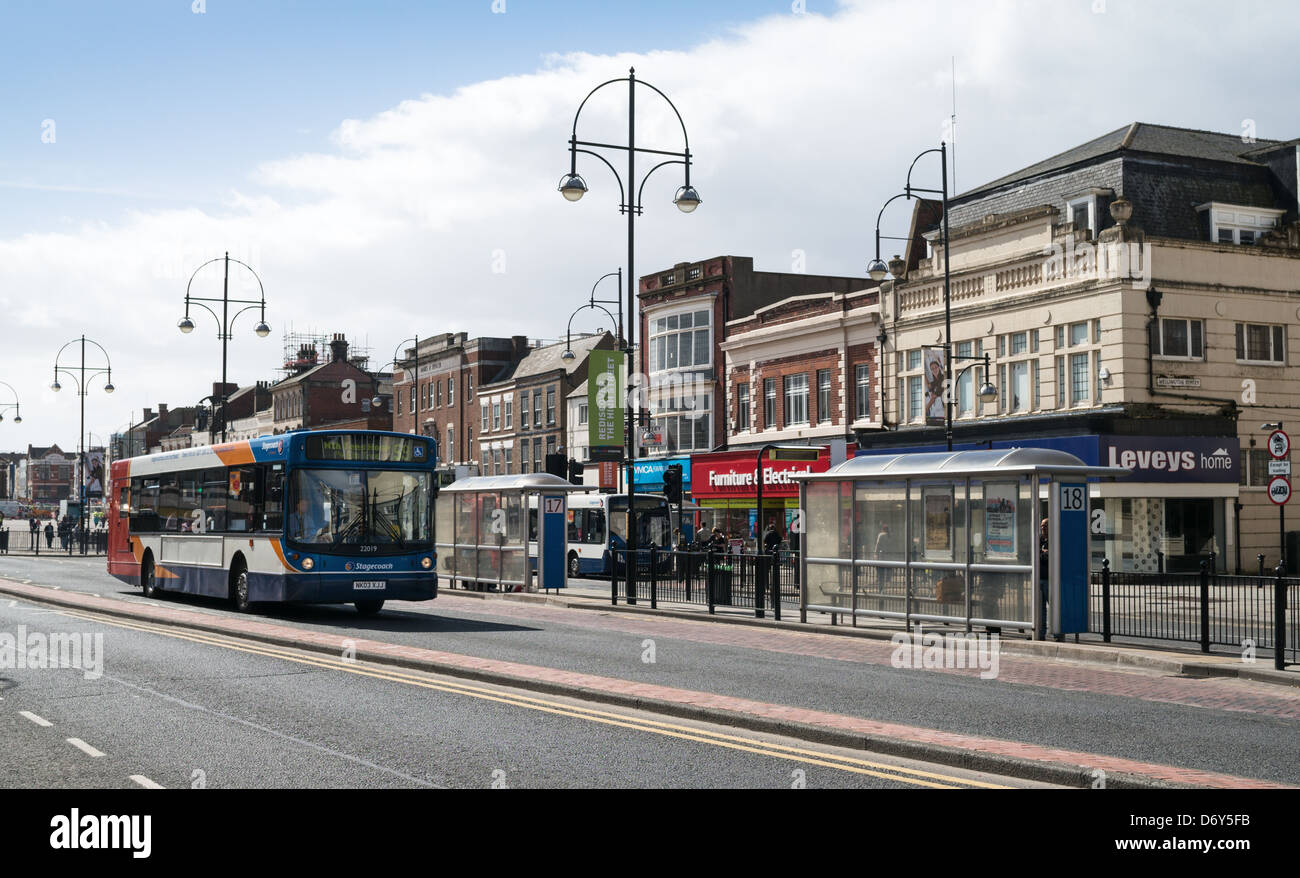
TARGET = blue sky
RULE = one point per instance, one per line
(156, 105)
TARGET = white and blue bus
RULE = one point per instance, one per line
(311, 517)
(598, 523)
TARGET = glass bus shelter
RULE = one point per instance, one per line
(948, 537)
(483, 526)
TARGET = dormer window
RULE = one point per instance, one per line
(1083, 210)
(1236, 224)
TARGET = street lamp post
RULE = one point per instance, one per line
(224, 322)
(573, 187)
(597, 304)
(4, 407)
(81, 375)
(877, 272)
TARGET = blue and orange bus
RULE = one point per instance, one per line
(328, 516)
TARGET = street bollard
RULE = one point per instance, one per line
(1205, 606)
(654, 579)
(1279, 619)
(1105, 599)
(613, 576)
(775, 570)
(710, 563)
(760, 583)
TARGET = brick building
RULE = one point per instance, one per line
(804, 370)
(337, 394)
(50, 474)
(443, 402)
(686, 314)
(524, 416)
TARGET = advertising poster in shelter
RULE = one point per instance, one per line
(1000, 519)
(938, 523)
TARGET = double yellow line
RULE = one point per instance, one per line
(849, 764)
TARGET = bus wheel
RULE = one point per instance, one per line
(369, 608)
(148, 579)
(574, 572)
(239, 591)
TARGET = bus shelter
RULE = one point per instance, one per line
(484, 526)
(951, 537)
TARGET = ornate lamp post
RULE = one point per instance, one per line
(225, 322)
(82, 376)
(573, 187)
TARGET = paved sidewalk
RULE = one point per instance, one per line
(1167, 657)
(971, 751)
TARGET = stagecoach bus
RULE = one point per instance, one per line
(309, 517)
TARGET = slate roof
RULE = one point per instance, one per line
(1144, 137)
(539, 361)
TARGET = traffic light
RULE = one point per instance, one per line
(557, 465)
(575, 472)
(673, 483)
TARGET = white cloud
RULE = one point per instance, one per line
(801, 125)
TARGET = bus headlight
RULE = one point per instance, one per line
(308, 563)
(426, 563)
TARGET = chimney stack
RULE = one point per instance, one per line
(339, 348)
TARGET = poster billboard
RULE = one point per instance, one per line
(95, 473)
(936, 373)
(1000, 519)
(604, 400)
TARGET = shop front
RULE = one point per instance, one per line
(725, 487)
(1175, 510)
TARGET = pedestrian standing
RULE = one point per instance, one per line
(49, 535)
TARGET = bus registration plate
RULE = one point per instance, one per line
(371, 585)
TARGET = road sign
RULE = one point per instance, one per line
(1279, 467)
(1279, 490)
(1279, 444)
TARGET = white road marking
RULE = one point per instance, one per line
(43, 723)
(84, 747)
(145, 782)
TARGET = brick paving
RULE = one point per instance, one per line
(663, 694)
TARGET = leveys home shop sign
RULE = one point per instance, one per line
(1174, 458)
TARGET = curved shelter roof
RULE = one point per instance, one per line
(522, 482)
(960, 464)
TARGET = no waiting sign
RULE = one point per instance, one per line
(1279, 490)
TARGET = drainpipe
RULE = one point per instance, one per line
(1154, 297)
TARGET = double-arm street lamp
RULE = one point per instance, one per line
(877, 271)
(573, 187)
(599, 305)
(378, 400)
(225, 322)
(82, 376)
(4, 407)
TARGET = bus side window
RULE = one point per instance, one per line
(272, 504)
(576, 517)
(595, 527)
(214, 500)
(124, 502)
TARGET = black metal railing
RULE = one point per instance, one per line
(763, 582)
(1244, 613)
(94, 542)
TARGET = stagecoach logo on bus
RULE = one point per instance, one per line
(38, 651)
(276, 447)
(948, 651)
(366, 566)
